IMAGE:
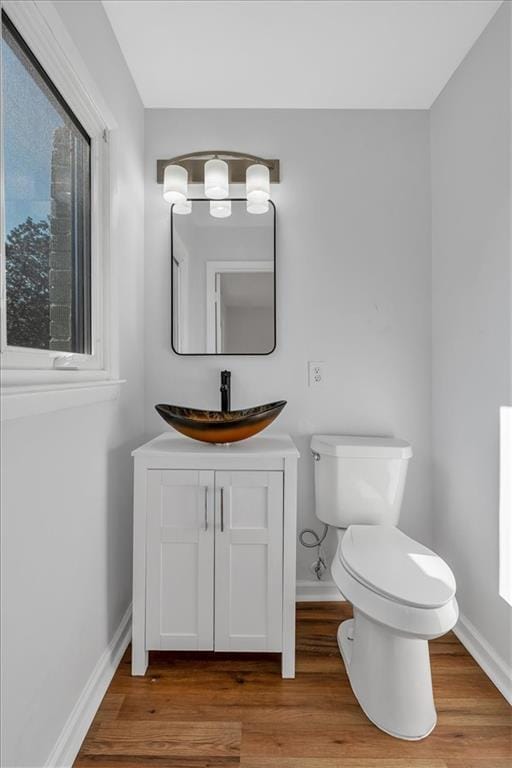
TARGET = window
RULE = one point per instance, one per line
(55, 204)
(47, 222)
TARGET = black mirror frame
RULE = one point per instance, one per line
(224, 354)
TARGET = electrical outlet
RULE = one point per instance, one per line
(316, 373)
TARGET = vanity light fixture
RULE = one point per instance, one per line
(220, 209)
(216, 170)
(175, 184)
(216, 179)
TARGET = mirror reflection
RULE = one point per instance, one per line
(223, 281)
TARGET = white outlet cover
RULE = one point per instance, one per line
(316, 373)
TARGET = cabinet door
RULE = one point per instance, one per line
(180, 544)
(248, 561)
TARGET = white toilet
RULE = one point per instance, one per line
(402, 593)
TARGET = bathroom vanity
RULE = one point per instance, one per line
(214, 547)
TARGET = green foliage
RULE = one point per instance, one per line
(27, 252)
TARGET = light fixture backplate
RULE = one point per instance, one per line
(237, 162)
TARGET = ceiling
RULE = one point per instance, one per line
(367, 54)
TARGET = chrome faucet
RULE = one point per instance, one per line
(225, 391)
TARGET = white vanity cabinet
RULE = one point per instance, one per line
(214, 547)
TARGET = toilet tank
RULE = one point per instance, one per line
(359, 480)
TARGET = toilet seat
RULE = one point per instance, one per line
(424, 623)
(396, 567)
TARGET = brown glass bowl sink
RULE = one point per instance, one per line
(220, 426)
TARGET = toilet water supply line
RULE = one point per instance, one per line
(319, 566)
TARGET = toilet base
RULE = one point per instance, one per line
(390, 677)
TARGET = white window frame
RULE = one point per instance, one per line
(42, 29)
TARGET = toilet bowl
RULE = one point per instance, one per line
(403, 596)
(402, 593)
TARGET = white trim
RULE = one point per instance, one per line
(213, 268)
(41, 27)
(505, 513)
(321, 591)
(72, 735)
(11, 380)
(21, 402)
(496, 668)
(180, 254)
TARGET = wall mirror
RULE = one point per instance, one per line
(223, 285)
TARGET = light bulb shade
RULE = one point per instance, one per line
(216, 179)
(257, 184)
(175, 184)
(221, 209)
(257, 206)
(182, 208)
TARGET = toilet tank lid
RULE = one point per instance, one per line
(361, 447)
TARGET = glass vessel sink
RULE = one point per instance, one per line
(220, 426)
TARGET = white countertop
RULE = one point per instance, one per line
(172, 442)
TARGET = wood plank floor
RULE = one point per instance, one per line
(200, 711)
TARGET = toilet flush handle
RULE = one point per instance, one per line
(315, 455)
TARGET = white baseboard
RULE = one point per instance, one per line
(312, 591)
(70, 740)
(496, 668)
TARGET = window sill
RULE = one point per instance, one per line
(20, 401)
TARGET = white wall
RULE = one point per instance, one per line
(470, 124)
(353, 266)
(67, 475)
(248, 328)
